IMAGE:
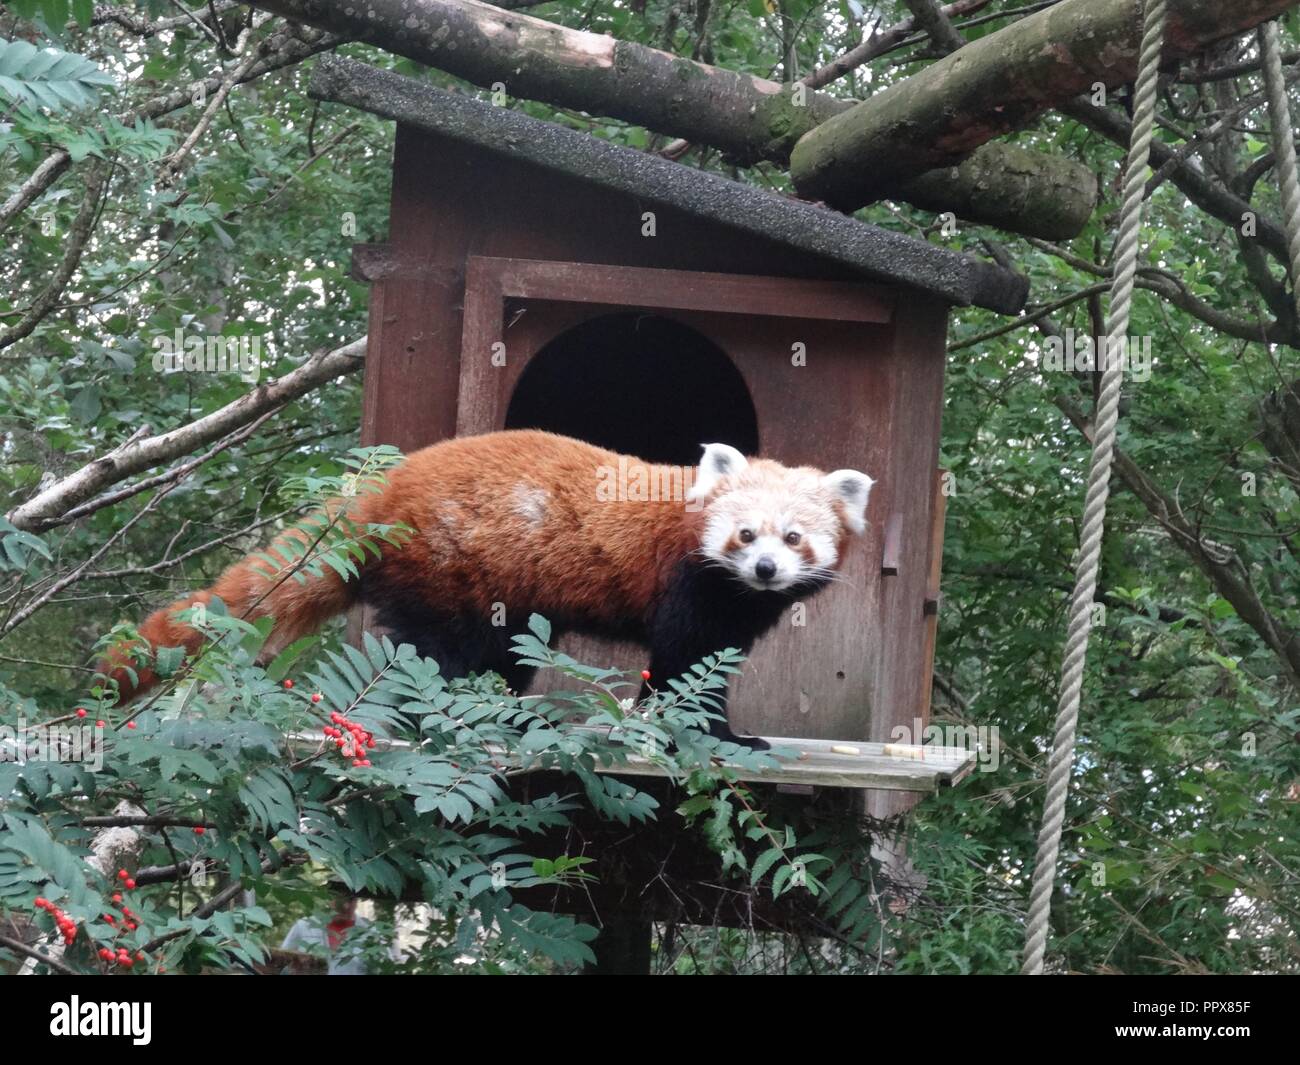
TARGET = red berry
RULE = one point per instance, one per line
(117, 896)
(316, 697)
(125, 960)
(288, 684)
(645, 674)
(105, 953)
(130, 926)
(130, 884)
(130, 724)
(356, 763)
(81, 711)
(100, 724)
(122, 874)
(110, 919)
(139, 955)
(42, 903)
(199, 830)
(365, 761)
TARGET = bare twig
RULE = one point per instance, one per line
(172, 164)
(283, 49)
(176, 474)
(19, 947)
(74, 245)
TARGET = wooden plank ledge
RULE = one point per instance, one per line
(847, 764)
(825, 763)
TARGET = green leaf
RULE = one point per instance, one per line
(47, 77)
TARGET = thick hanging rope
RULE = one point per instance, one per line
(1094, 507)
(1284, 160)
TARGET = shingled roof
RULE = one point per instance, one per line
(875, 253)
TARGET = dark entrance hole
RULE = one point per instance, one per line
(638, 384)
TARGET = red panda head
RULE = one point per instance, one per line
(776, 527)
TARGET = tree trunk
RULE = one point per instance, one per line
(997, 84)
(748, 118)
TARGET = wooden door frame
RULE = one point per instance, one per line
(490, 282)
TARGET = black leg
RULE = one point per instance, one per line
(703, 611)
(672, 664)
(460, 645)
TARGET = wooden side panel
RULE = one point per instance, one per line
(932, 591)
(413, 360)
(915, 365)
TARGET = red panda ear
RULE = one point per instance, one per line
(852, 489)
(719, 461)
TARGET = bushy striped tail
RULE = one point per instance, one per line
(299, 600)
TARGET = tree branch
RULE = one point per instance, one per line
(282, 49)
(1000, 83)
(82, 227)
(49, 506)
(1224, 569)
(934, 21)
(750, 119)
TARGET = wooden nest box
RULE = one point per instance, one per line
(537, 277)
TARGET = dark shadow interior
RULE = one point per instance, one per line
(639, 384)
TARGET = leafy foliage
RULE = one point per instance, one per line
(257, 764)
(1184, 827)
(426, 813)
(49, 78)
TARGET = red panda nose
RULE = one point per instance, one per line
(765, 568)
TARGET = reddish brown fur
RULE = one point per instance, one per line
(470, 502)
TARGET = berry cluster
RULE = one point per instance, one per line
(81, 712)
(350, 738)
(122, 957)
(66, 925)
(128, 922)
(130, 919)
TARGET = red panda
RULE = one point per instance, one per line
(527, 520)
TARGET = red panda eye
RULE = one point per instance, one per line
(792, 538)
(746, 536)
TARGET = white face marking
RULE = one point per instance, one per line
(823, 549)
(776, 528)
(768, 564)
